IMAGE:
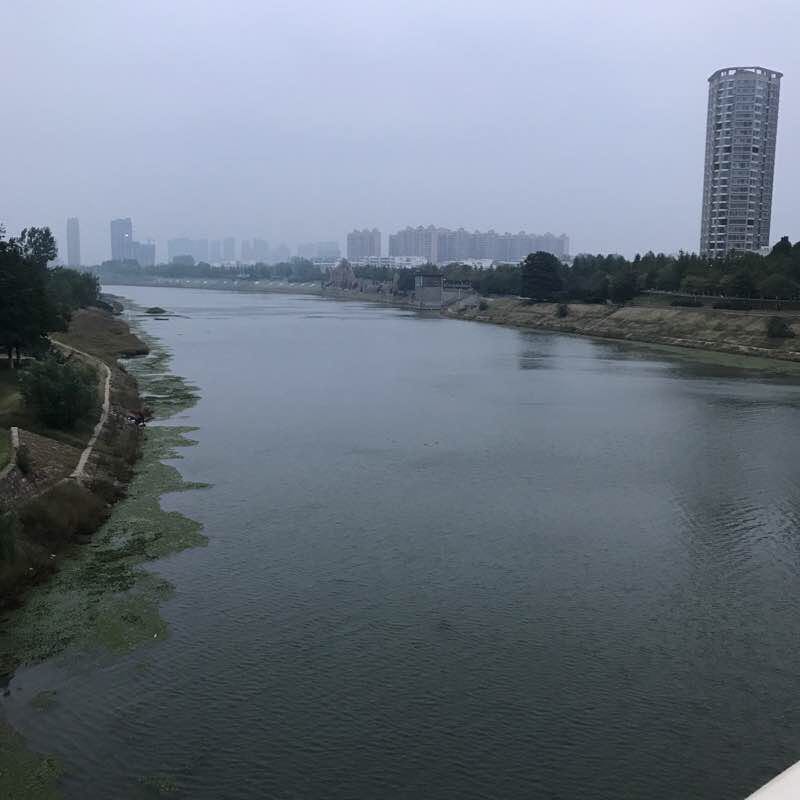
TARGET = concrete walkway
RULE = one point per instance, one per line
(79, 472)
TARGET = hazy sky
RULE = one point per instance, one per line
(301, 119)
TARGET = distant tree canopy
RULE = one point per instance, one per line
(590, 278)
(541, 277)
(34, 299)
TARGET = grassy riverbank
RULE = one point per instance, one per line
(650, 321)
(732, 332)
(49, 512)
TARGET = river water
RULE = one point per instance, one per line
(450, 560)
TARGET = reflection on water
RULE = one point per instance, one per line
(453, 560)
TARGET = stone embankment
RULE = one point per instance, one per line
(735, 332)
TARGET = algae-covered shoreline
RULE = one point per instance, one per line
(103, 599)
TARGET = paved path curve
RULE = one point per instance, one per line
(79, 472)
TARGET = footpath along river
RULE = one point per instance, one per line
(438, 560)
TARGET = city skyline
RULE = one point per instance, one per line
(607, 145)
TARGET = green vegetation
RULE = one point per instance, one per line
(5, 447)
(779, 328)
(297, 270)
(9, 527)
(155, 311)
(24, 459)
(25, 775)
(35, 300)
(59, 390)
(541, 277)
(101, 597)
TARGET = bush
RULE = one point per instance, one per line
(8, 536)
(734, 305)
(58, 391)
(24, 460)
(687, 303)
(483, 305)
(562, 310)
(64, 511)
(779, 328)
(157, 310)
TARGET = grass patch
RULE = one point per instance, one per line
(102, 335)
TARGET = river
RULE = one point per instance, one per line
(450, 560)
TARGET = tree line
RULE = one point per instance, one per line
(590, 278)
(35, 299)
(296, 270)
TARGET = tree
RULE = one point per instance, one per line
(59, 391)
(541, 276)
(622, 287)
(405, 280)
(782, 248)
(37, 245)
(26, 311)
(738, 284)
(777, 286)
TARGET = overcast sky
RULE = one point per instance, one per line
(298, 120)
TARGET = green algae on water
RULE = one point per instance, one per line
(161, 785)
(102, 597)
(25, 775)
(44, 700)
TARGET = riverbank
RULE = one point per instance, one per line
(59, 486)
(738, 333)
(734, 332)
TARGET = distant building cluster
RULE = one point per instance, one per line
(363, 245)
(325, 251)
(442, 245)
(125, 248)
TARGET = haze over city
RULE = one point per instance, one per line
(300, 121)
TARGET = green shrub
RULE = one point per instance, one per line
(64, 511)
(157, 310)
(779, 328)
(562, 310)
(59, 391)
(687, 303)
(24, 463)
(483, 305)
(8, 536)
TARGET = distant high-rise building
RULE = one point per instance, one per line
(280, 254)
(741, 132)
(196, 248)
(215, 251)
(229, 248)
(121, 238)
(363, 244)
(441, 245)
(73, 242)
(307, 250)
(326, 250)
(260, 250)
(144, 253)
